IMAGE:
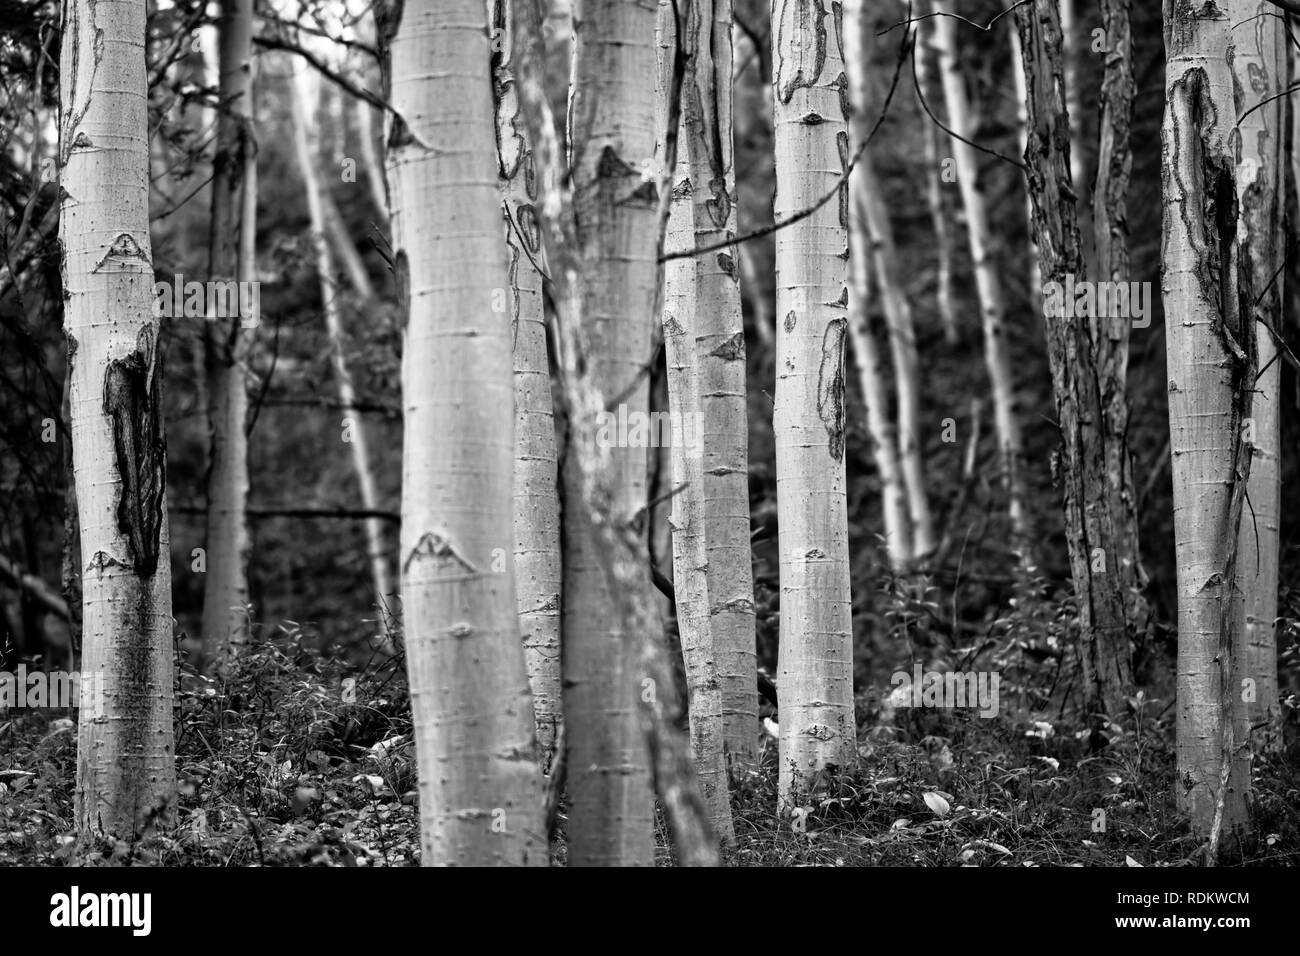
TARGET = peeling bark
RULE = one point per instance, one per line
(1089, 525)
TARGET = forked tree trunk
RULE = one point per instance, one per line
(306, 89)
(1211, 372)
(232, 239)
(1105, 653)
(480, 799)
(815, 664)
(126, 772)
(1259, 67)
(720, 343)
(988, 283)
(612, 286)
(536, 483)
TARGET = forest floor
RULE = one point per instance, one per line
(287, 763)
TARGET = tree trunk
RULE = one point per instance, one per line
(306, 90)
(1211, 373)
(1020, 93)
(480, 800)
(934, 191)
(1111, 335)
(231, 240)
(864, 331)
(720, 343)
(988, 284)
(683, 287)
(878, 244)
(125, 769)
(1259, 67)
(612, 285)
(815, 662)
(536, 488)
(1105, 653)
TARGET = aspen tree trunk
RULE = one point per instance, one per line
(869, 356)
(231, 240)
(536, 488)
(988, 284)
(815, 662)
(878, 243)
(933, 188)
(613, 288)
(720, 343)
(1211, 373)
(480, 800)
(306, 91)
(125, 744)
(684, 286)
(1105, 653)
(864, 332)
(1111, 334)
(1259, 68)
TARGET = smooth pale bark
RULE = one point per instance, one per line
(1105, 652)
(1259, 67)
(480, 797)
(878, 244)
(536, 482)
(306, 93)
(815, 661)
(865, 332)
(612, 289)
(719, 334)
(685, 288)
(125, 745)
(1211, 371)
(988, 283)
(231, 242)
(1111, 335)
(944, 298)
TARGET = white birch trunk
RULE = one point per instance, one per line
(815, 664)
(720, 344)
(125, 767)
(234, 184)
(480, 800)
(536, 482)
(1207, 367)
